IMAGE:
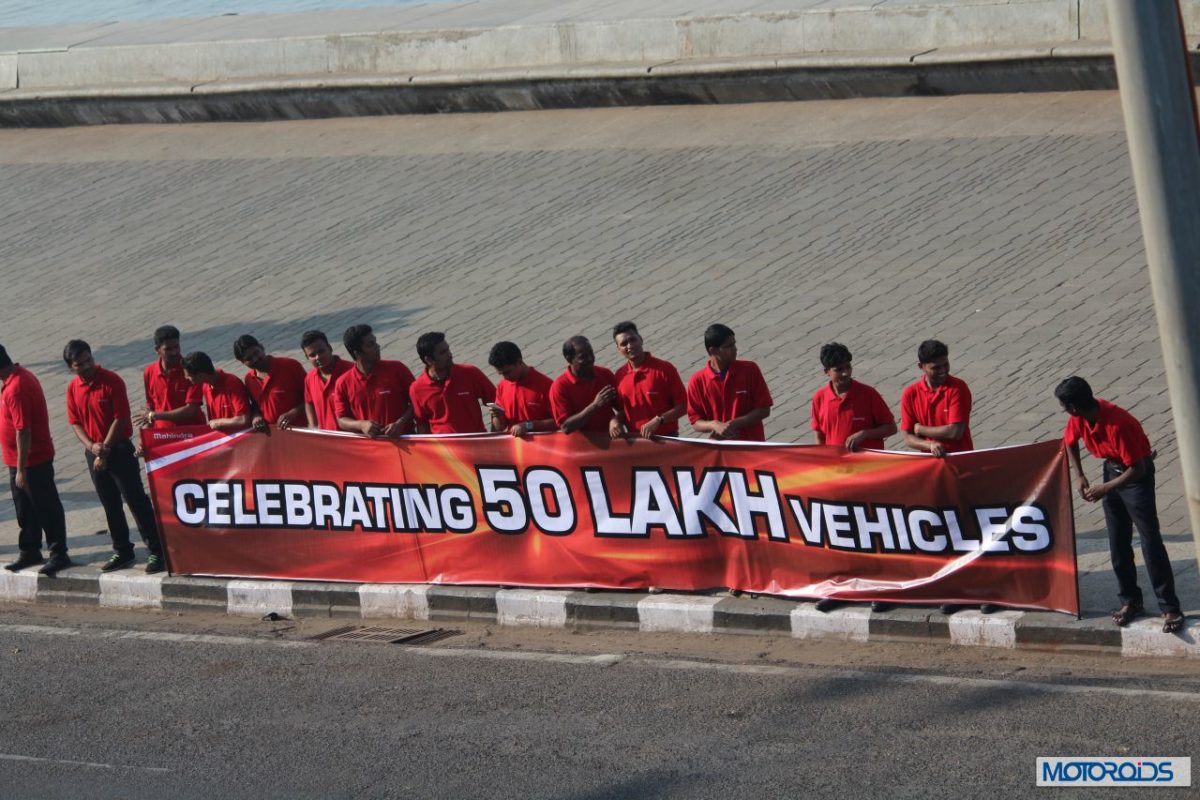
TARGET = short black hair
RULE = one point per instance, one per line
(1075, 391)
(5, 361)
(427, 343)
(930, 350)
(312, 337)
(572, 345)
(163, 333)
(835, 354)
(715, 336)
(242, 345)
(625, 327)
(353, 338)
(74, 349)
(198, 363)
(504, 354)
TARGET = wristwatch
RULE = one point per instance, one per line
(528, 426)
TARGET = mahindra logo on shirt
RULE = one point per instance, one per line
(464, 394)
(741, 391)
(385, 391)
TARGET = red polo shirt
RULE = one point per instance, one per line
(319, 392)
(169, 390)
(279, 389)
(525, 400)
(381, 396)
(227, 398)
(23, 407)
(96, 403)
(570, 394)
(452, 406)
(1116, 436)
(859, 409)
(946, 405)
(722, 397)
(652, 389)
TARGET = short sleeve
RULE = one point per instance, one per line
(908, 411)
(484, 387)
(72, 408)
(880, 413)
(559, 408)
(815, 412)
(696, 410)
(762, 395)
(675, 384)
(959, 407)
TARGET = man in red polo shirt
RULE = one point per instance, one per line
(446, 396)
(29, 455)
(935, 415)
(584, 396)
(846, 413)
(372, 398)
(1127, 494)
(275, 384)
(224, 395)
(649, 390)
(98, 411)
(523, 393)
(171, 399)
(727, 398)
(935, 412)
(327, 367)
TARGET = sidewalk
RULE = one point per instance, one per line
(692, 613)
(527, 54)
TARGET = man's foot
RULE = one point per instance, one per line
(948, 608)
(1172, 622)
(155, 564)
(1126, 614)
(24, 560)
(118, 561)
(990, 608)
(59, 561)
(879, 605)
(827, 604)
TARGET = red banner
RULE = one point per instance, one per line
(568, 511)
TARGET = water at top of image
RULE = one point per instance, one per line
(23, 13)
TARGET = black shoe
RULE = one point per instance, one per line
(990, 608)
(58, 561)
(879, 605)
(155, 563)
(24, 560)
(827, 604)
(118, 561)
(948, 608)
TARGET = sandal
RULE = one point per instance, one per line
(1172, 622)
(1126, 614)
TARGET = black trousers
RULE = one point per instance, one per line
(1134, 504)
(120, 479)
(39, 510)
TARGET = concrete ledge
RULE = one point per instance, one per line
(681, 84)
(658, 613)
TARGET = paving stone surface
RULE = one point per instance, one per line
(1006, 226)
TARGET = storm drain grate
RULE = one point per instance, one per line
(375, 633)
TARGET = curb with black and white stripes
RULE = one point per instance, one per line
(552, 608)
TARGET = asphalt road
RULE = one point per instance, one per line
(105, 704)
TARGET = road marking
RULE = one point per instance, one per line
(67, 762)
(153, 636)
(615, 659)
(971, 627)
